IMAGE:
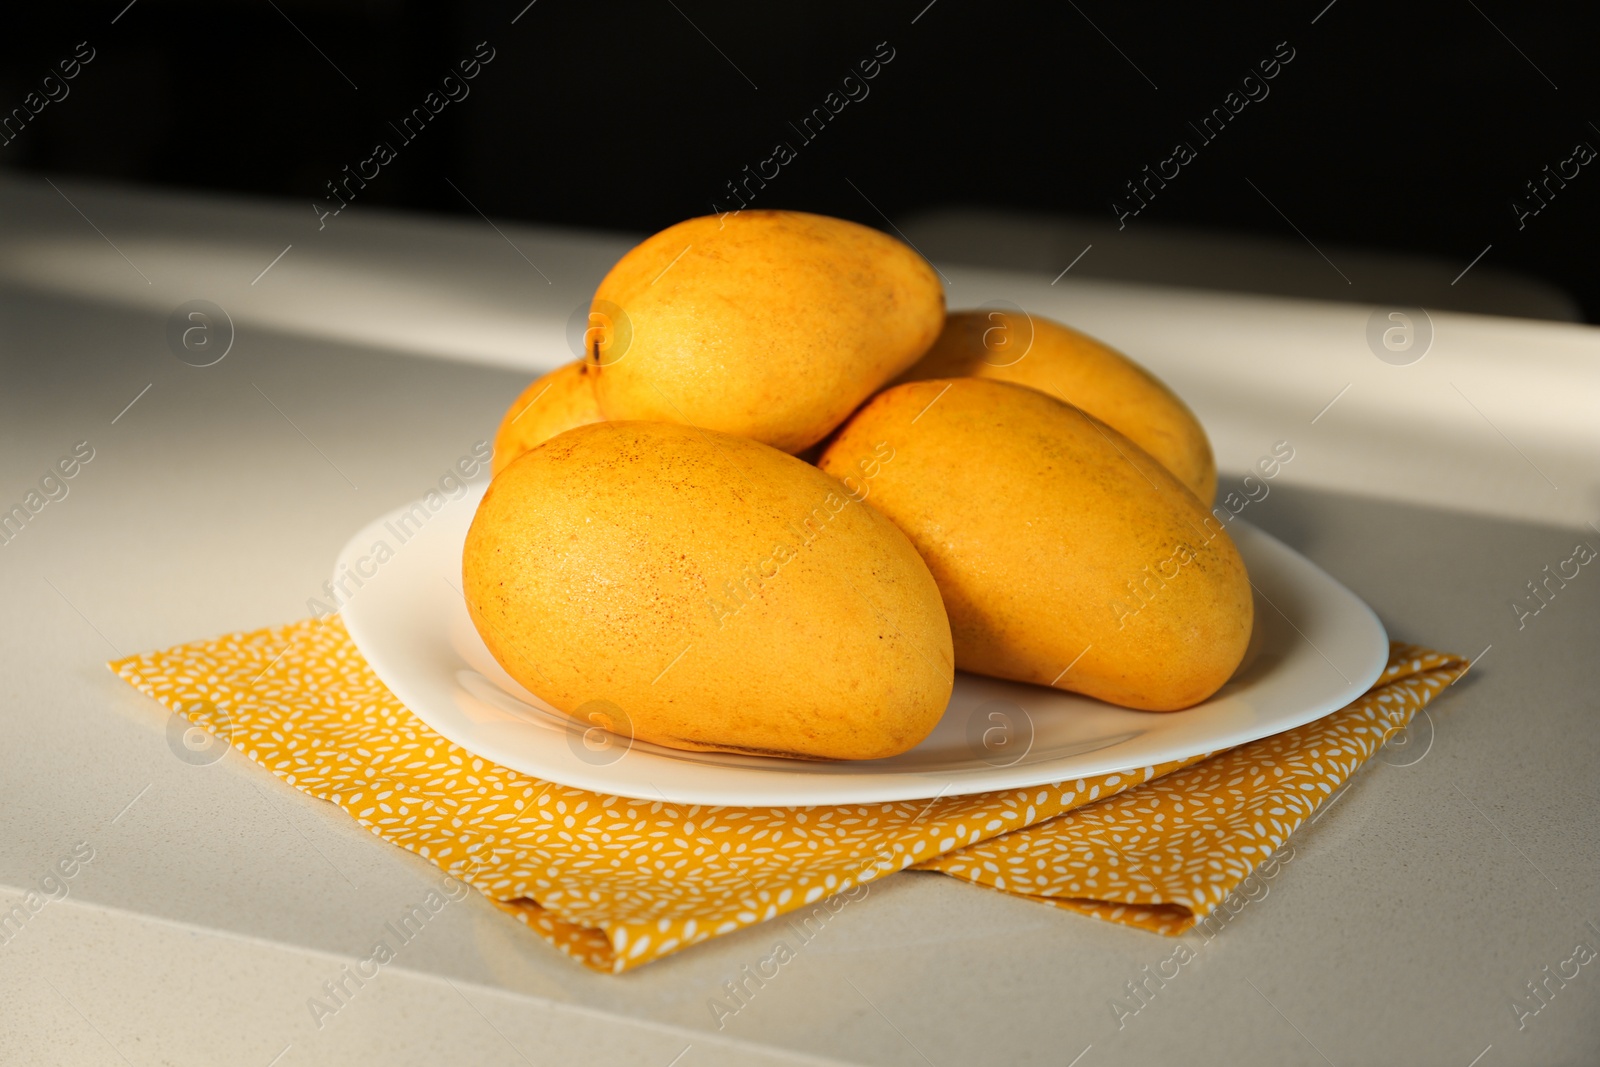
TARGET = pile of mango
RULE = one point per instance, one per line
(784, 497)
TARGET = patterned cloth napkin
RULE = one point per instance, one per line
(615, 883)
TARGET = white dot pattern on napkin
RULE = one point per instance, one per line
(615, 883)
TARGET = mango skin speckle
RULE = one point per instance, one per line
(554, 403)
(1059, 361)
(1065, 554)
(772, 325)
(720, 594)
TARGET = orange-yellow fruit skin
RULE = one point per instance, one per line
(554, 403)
(722, 594)
(1043, 354)
(772, 325)
(1055, 540)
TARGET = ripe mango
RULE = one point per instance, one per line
(704, 591)
(1065, 554)
(1043, 354)
(554, 403)
(772, 325)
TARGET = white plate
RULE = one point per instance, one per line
(1316, 647)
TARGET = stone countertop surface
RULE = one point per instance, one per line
(1402, 926)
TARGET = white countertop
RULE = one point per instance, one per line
(375, 352)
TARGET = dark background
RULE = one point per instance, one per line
(1397, 127)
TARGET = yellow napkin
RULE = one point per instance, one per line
(616, 883)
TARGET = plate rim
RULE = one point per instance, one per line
(793, 789)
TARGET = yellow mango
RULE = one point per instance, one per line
(705, 591)
(772, 325)
(1045, 355)
(554, 403)
(1065, 554)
